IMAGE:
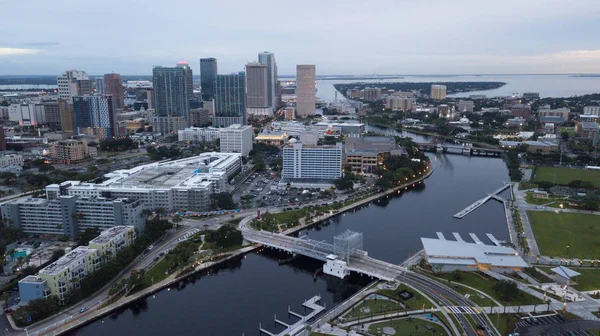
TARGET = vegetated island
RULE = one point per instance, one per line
(586, 75)
(424, 87)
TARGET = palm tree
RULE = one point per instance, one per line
(177, 219)
(145, 213)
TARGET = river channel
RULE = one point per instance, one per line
(233, 298)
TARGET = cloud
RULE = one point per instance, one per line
(17, 51)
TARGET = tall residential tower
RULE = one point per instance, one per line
(172, 90)
(230, 100)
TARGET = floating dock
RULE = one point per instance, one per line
(296, 328)
(481, 202)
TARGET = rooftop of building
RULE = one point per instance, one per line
(551, 119)
(589, 125)
(455, 252)
(237, 127)
(67, 260)
(32, 279)
(107, 235)
(196, 171)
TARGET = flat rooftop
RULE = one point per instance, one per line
(189, 172)
(68, 260)
(32, 279)
(463, 253)
(107, 235)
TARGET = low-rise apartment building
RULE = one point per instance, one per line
(113, 240)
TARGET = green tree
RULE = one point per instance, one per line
(176, 219)
(222, 201)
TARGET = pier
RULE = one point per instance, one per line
(475, 238)
(493, 239)
(440, 236)
(457, 237)
(482, 201)
(296, 328)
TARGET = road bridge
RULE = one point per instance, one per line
(355, 260)
(466, 149)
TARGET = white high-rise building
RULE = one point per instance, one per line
(306, 93)
(268, 59)
(27, 114)
(593, 110)
(312, 162)
(73, 83)
(438, 92)
(201, 134)
(236, 139)
(258, 101)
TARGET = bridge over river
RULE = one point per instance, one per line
(348, 256)
(467, 149)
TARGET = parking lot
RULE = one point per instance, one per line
(555, 325)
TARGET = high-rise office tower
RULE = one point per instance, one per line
(189, 78)
(306, 93)
(257, 90)
(268, 59)
(230, 100)
(208, 75)
(171, 93)
(99, 85)
(74, 83)
(113, 85)
(95, 115)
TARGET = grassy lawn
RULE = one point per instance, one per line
(555, 231)
(408, 327)
(566, 175)
(416, 303)
(374, 307)
(506, 323)
(156, 273)
(475, 297)
(486, 285)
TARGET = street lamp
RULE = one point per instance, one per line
(568, 256)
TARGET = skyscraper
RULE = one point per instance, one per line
(306, 93)
(257, 89)
(74, 83)
(208, 75)
(113, 85)
(230, 100)
(268, 59)
(2, 139)
(172, 92)
(95, 115)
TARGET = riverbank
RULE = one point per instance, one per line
(124, 301)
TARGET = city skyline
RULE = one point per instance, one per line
(396, 37)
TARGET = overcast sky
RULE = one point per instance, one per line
(340, 37)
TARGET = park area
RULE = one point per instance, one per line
(555, 231)
(566, 175)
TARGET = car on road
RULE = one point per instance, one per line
(83, 310)
(150, 247)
